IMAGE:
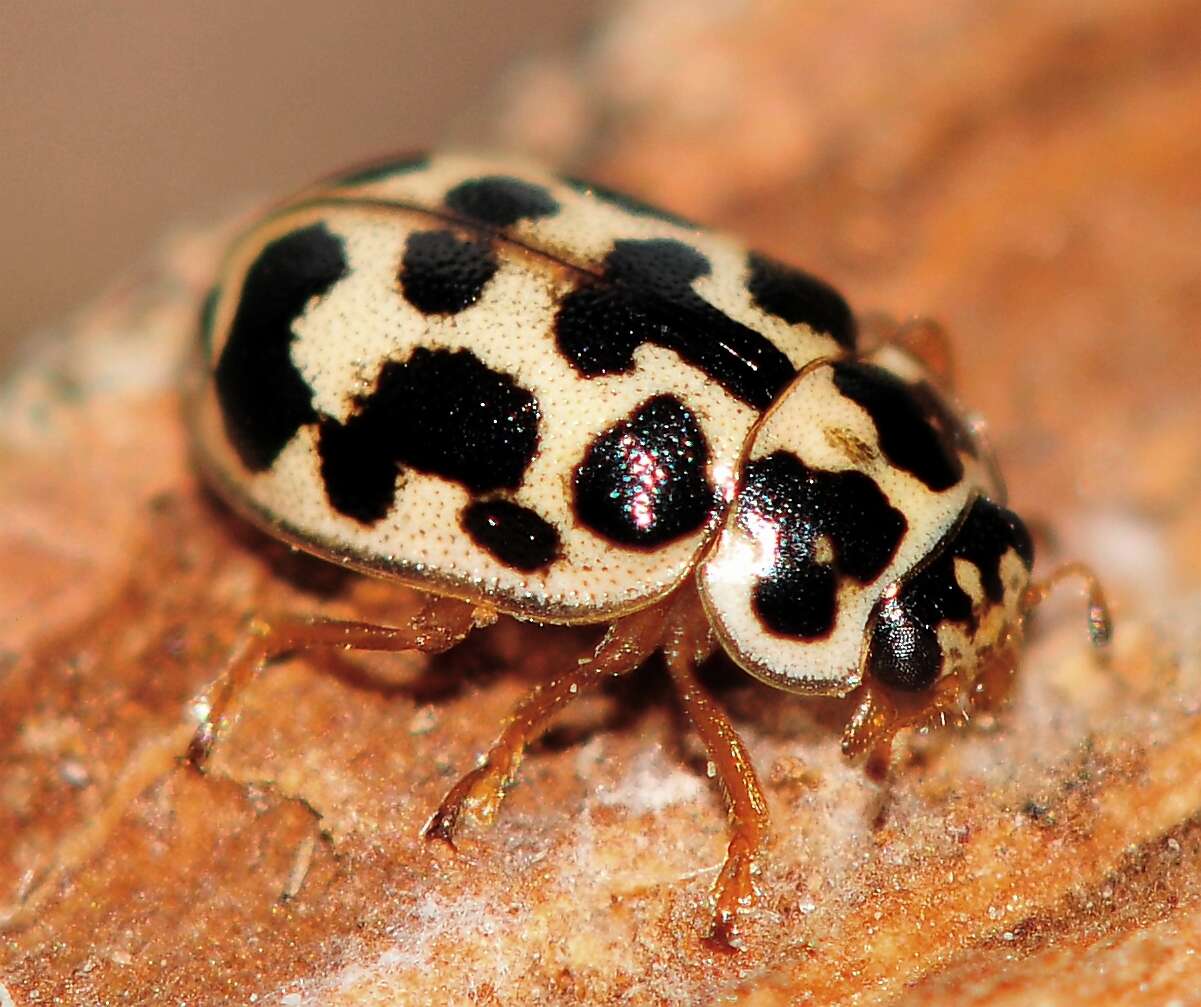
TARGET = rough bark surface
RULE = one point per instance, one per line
(1025, 172)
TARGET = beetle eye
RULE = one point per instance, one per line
(902, 652)
(957, 605)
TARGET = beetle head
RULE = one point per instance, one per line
(863, 543)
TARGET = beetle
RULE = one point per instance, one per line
(524, 394)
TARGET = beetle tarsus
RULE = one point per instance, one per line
(479, 792)
(441, 826)
(734, 892)
(199, 747)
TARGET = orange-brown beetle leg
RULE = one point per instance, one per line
(627, 644)
(441, 624)
(688, 642)
(994, 683)
(1100, 621)
(881, 712)
(678, 627)
(920, 337)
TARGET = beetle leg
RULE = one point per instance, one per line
(870, 729)
(441, 624)
(689, 641)
(922, 338)
(881, 713)
(628, 643)
(927, 340)
(1100, 622)
(994, 683)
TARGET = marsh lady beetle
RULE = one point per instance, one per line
(528, 395)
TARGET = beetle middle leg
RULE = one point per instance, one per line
(677, 626)
(627, 644)
(441, 624)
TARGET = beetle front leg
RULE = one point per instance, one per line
(880, 713)
(1100, 619)
(689, 641)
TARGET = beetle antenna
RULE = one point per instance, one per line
(1100, 621)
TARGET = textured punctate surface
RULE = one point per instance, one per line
(1049, 854)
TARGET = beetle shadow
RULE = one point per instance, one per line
(304, 573)
(317, 582)
(478, 661)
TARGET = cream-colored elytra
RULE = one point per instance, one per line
(826, 432)
(345, 336)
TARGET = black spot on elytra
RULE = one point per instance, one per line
(385, 169)
(500, 201)
(943, 418)
(645, 295)
(623, 201)
(264, 400)
(359, 475)
(800, 299)
(441, 412)
(515, 535)
(903, 649)
(443, 273)
(642, 482)
(808, 511)
(912, 435)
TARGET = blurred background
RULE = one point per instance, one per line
(121, 119)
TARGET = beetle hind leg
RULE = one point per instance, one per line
(441, 624)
